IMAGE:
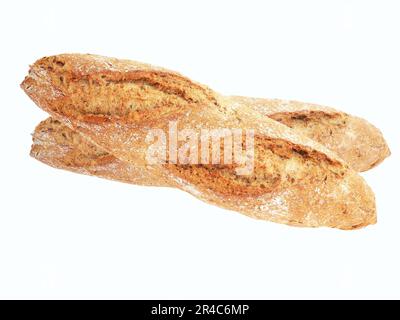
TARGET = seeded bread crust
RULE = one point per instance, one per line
(353, 139)
(113, 103)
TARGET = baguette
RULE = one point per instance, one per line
(353, 139)
(113, 103)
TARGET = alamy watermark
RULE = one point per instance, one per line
(221, 146)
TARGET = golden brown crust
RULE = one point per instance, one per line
(327, 184)
(85, 86)
(353, 139)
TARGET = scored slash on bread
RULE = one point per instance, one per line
(113, 103)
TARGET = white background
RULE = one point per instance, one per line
(63, 235)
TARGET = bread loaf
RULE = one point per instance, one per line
(113, 104)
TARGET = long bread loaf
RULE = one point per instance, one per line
(113, 104)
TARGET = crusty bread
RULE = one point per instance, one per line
(353, 139)
(113, 103)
